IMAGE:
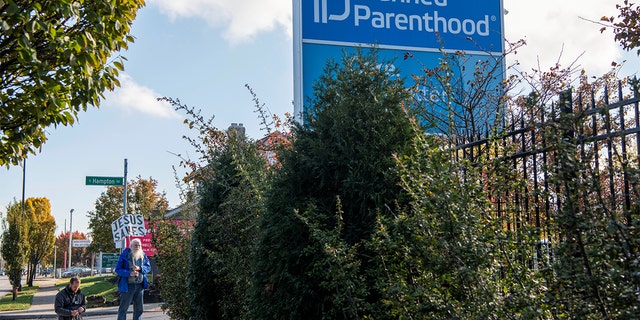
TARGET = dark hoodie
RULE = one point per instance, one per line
(67, 301)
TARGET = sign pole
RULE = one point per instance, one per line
(124, 202)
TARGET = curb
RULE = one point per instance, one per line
(39, 314)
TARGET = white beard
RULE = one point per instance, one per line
(137, 254)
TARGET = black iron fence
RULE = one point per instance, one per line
(604, 137)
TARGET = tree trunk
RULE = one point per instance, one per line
(14, 292)
(32, 271)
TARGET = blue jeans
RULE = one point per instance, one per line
(134, 294)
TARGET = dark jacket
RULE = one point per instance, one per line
(123, 268)
(67, 301)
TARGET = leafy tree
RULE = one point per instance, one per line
(145, 200)
(231, 174)
(226, 230)
(62, 248)
(438, 258)
(40, 236)
(142, 198)
(108, 208)
(172, 240)
(462, 96)
(54, 63)
(626, 26)
(335, 180)
(13, 247)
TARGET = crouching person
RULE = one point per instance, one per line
(70, 302)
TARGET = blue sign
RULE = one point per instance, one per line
(421, 29)
(467, 25)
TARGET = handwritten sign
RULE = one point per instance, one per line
(128, 225)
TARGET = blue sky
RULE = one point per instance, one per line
(204, 52)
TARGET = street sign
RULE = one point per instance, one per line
(81, 243)
(104, 181)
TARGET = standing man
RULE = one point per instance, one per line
(132, 267)
(70, 303)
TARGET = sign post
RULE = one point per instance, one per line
(113, 181)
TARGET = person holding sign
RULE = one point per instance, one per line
(132, 267)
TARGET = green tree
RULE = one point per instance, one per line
(335, 180)
(226, 230)
(172, 240)
(40, 236)
(56, 60)
(438, 258)
(142, 198)
(13, 248)
(231, 174)
(108, 208)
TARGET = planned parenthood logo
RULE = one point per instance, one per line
(470, 25)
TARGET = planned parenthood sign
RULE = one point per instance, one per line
(323, 29)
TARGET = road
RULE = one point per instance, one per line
(5, 286)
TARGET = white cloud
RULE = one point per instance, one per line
(134, 97)
(559, 30)
(241, 19)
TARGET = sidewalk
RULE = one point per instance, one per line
(42, 306)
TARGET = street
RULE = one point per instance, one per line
(4, 285)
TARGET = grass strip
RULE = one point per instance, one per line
(95, 286)
(22, 302)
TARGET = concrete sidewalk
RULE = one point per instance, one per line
(42, 306)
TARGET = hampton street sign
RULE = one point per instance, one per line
(104, 181)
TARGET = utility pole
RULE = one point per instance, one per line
(70, 234)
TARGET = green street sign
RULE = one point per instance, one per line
(105, 181)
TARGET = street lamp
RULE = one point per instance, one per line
(70, 234)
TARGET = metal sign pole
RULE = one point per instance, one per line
(124, 203)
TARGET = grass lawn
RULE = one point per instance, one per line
(95, 286)
(22, 302)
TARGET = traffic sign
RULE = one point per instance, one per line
(104, 181)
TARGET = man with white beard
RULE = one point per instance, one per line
(131, 268)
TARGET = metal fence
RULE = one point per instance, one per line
(605, 136)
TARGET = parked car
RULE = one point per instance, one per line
(76, 271)
(107, 270)
(46, 272)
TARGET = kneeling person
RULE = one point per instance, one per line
(70, 302)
